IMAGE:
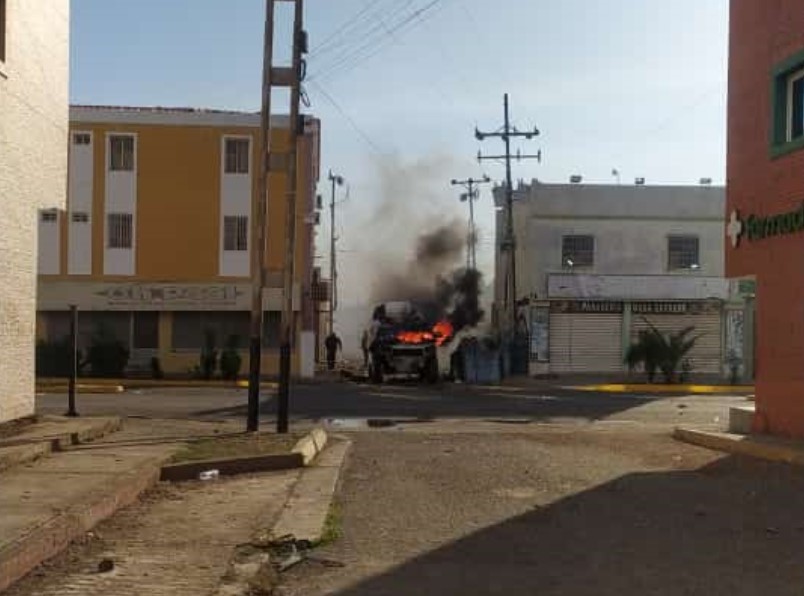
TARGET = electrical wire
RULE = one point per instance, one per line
(326, 95)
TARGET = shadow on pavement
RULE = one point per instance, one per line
(734, 527)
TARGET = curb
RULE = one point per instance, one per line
(760, 447)
(302, 454)
(85, 389)
(47, 540)
(648, 388)
(252, 568)
(23, 450)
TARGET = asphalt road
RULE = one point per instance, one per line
(598, 509)
(339, 400)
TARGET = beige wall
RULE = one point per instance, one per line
(33, 170)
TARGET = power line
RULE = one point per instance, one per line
(348, 118)
(350, 23)
(349, 61)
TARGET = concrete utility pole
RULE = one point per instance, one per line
(293, 79)
(259, 208)
(507, 133)
(471, 196)
(333, 271)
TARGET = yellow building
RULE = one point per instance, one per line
(155, 243)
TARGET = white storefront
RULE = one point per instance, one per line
(597, 264)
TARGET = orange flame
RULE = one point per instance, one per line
(441, 333)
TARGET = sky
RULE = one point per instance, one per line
(399, 85)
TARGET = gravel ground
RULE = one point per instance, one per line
(591, 509)
(176, 542)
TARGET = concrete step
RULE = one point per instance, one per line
(741, 418)
(52, 433)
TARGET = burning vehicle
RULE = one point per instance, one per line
(405, 342)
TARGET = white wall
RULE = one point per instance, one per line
(33, 170)
(235, 198)
(79, 203)
(121, 197)
(630, 225)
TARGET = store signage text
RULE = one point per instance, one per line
(144, 294)
(755, 227)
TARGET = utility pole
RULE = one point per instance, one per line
(259, 211)
(292, 79)
(333, 271)
(507, 133)
(471, 196)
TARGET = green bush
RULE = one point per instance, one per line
(53, 358)
(655, 350)
(231, 360)
(107, 356)
(208, 360)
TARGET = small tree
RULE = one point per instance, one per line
(231, 359)
(107, 356)
(208, 360)
(658, 351)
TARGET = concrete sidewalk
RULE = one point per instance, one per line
(56, 499)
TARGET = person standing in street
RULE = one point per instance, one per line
(332, 344)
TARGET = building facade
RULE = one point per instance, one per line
(155, 244)
(765, 195)
(596, 264)
(34, 55)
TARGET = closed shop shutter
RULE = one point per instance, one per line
(583, 342)
(705, 356)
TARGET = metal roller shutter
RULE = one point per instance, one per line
(706, 354)
(584, 343)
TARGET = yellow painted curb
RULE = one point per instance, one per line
(767, 448)
(648, 388)
(86, 389)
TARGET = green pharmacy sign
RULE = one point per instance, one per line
(755, 227)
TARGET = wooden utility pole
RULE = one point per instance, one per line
(288, 324)
(273, 77)
(259, 208)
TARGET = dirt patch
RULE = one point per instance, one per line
(240, 445)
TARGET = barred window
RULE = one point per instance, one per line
(120, 230)
(236, 156)
(121, 148)
(190, 328)
(235, 232)
(578, 251)
(81, 138)
(49, 216)
(682, 252)
(80, 217)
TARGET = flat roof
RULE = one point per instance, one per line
(170, 116)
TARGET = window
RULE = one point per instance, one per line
(235, 232)
(80, 217)
(119, 232)
(795, 106)
(2, 30)
(82, 138)
(271, 326)
(578, 251)
(236, 156)
(682, 252)
(121, 149)
(49, 216)
(190, 328)
(145, 326)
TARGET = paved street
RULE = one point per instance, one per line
(601, 509)
(351, 400)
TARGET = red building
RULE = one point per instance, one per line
(765, 197)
